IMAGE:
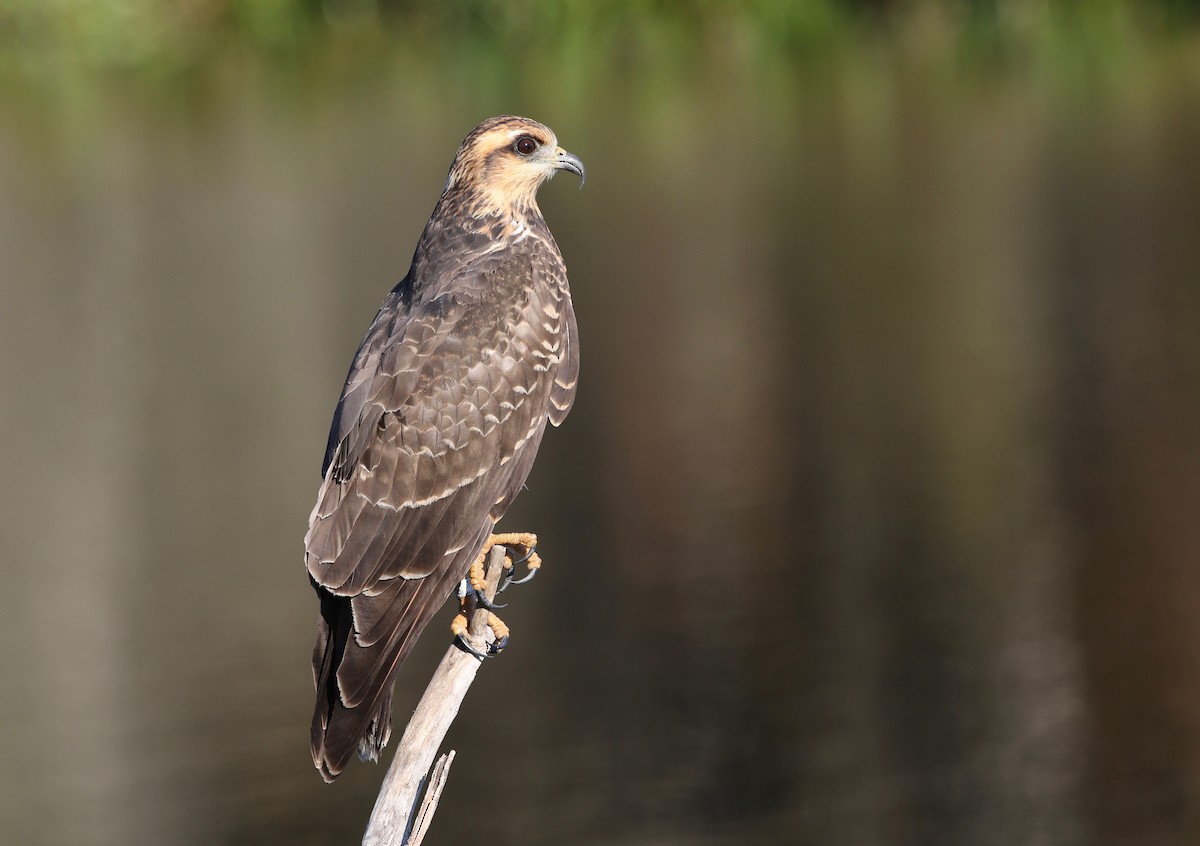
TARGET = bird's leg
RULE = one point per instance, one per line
(525, 540)
(531, 560)
(500, 630)
(475, 584)
(460, 628)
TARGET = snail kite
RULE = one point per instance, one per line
(438, 423)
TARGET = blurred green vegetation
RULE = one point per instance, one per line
(49, 40)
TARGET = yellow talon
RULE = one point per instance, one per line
(528, 540)
(460, 627)
(500, 630)
(499, 627)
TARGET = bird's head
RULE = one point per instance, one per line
(504, 160)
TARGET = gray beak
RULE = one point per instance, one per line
(568, 161)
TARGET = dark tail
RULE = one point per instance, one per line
(355, 671)
(361, 642)
(338, 731)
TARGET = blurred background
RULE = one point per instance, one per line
(876, 521)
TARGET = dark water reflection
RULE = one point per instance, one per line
(875, 521)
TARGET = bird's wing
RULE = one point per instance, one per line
(566, 377)
(437, 397)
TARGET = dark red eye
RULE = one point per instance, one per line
(525, 145)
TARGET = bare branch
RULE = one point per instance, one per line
(437, 781)
(396, 808)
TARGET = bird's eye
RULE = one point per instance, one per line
(525, 145)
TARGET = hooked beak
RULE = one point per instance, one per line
(567, 161)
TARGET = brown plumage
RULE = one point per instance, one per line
(437, 426)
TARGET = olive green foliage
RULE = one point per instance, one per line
(48, 38)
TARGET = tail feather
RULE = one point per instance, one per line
(337, 730)
(404, 608)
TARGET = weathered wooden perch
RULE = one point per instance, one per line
(396, 820)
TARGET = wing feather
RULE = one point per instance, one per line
(566, 379)
(457, 389)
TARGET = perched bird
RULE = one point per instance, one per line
(437, 427)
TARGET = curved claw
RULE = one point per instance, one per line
(529, 550)
(463, 644)
(528, 577)
(485, 603)
(530, 554)
(496, 646)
